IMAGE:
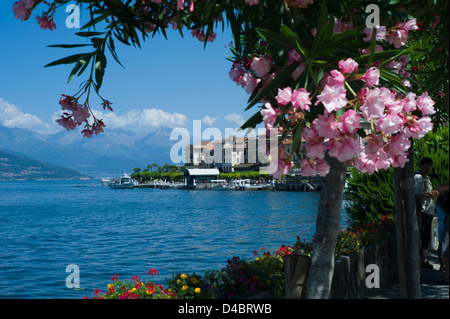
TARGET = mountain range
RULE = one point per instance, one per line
(108, 154)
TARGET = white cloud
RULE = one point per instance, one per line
(209, 121)
(152, 118)
(235, 118)
(11, 116)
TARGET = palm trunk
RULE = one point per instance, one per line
(327, 229)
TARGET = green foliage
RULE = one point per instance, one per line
(434, 146)
(369, 196)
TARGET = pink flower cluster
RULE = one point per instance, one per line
(80, 114)
(201, 36)
(389, 114)
(396, 36)
(22, 9)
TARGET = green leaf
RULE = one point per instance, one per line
(87, 34)
(100, 65)
(275, 39)
(253, 121)
(67, 46)
(75, 69)
(67, 60)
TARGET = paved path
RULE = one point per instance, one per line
(429, 288)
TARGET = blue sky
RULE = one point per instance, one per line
(164, 84)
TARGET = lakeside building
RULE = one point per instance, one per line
(235, 154)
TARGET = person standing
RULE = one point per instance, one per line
(425, 202)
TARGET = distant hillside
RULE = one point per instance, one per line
(112, 153)
(17, 167)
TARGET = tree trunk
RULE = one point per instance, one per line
(400, 230)
(412, 228)
(327, 229)
(407, 230)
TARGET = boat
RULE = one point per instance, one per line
(218, 184)
(105, 181)
(124, 182)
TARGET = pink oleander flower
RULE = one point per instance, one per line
(399, 144)
(261, 65)
(81, 114)
(351, 122)
(390, 123)
(212, 37)
(250, 82)
(345, 149)
(417, 128)
(269, 115)
(333, 97)
(399, 160)
(68, 103)
(399, 35)
(348, 66)
(300, 99)
(335, 78)
(409, 103)
(371, 76)
(373, 143)
(67, 122)
(398, 38)
(425, 104)
(236, 74)
(87, 133)
(365, 164)
(284, 163)
(316, 150)
(180, 4)
(373, 105)
(378, 48)
(381, 33)
(191, 6)
(156, 1)
(22, 9)
(284, 96)
(252, 2)
(313, 168)
(46, 23)
(326, 126)
(98, 127)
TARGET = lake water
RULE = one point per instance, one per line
(47, 225)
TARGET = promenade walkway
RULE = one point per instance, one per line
(429, 288)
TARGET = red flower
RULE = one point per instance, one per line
(114, 277)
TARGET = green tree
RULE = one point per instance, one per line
(294, 45)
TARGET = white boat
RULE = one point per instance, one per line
(124, 182)
(218, 184)
(105, 181)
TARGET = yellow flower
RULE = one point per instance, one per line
(109, 286)
(178, 281)
(194, 280)
(268, 282)
(133, 290)
(183, 276)
(197, 290)
(184, 288)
